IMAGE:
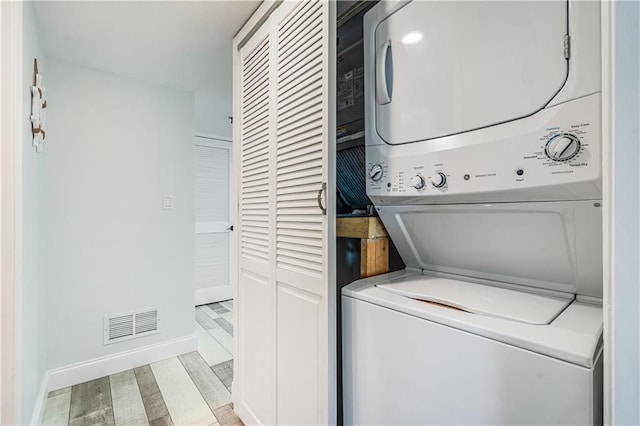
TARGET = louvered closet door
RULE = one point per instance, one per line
(254, 382)
(302, 243)
(286, 339)
(213, 220)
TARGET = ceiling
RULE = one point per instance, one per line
(181, 44)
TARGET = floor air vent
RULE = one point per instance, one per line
(130, 325)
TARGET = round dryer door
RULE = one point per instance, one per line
(446, 67)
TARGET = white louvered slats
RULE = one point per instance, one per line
(285, 145)
(212, 184)
(300, 114)
(254, 380)
(212, 260)
(254, 162)
(302, 146)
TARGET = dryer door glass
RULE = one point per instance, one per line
(446, 67)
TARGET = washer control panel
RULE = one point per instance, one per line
(438, 180)
(563, 147)
(376, 173)
(556, 150)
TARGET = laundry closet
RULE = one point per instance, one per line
(483, 160)
(420, 213)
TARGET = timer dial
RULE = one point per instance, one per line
(417, 182)
(376, 173)
(562, 147)
(438, 180)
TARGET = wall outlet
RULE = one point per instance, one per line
(167, 202)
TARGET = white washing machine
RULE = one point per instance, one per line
(483, 145)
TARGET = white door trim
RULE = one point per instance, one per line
(333, 294)
(621, 198)
(212, 142)
(10, 224)
(607, 26)
(254, 23)
(213, 137)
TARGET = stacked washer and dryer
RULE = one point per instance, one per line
(483, 146)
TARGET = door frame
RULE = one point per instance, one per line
(606, 21)
(621, 201)
(223, 142)
(610, 291)
(11, 137)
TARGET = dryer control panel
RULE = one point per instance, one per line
(552, 155)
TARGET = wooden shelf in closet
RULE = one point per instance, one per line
(374, 242)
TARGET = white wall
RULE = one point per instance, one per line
(213, 108)
(626, 201)
(114, 147)
(32, 360)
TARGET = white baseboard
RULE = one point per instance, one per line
(81, 372)
(210, 136)
(213, 294)
(41, 400)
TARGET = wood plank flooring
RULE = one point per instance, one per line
(224, 371)
(152, 398)
(192, 389)
(91, 403)
(128, 408)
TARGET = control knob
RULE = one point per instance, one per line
(376, 173)
(438, 180)
(562, 147)
(417, 182)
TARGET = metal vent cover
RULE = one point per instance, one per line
(131, 325)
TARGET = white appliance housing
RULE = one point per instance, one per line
(483, 145)
(407, 362)
(482, 94)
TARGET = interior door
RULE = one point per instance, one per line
(254, 385)
(302, 237)
(286, 297)
(213, 220)
(446, 67)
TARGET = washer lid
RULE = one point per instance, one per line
(530, 308)
(446, 67)
(574, 336)
(546, 245)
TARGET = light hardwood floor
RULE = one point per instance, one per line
(191, 389)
